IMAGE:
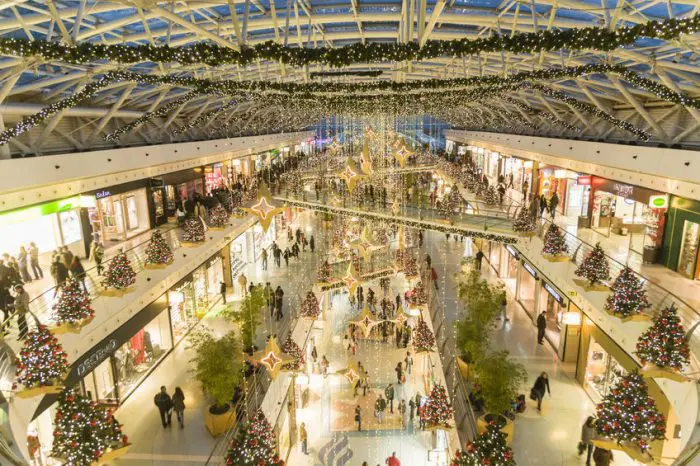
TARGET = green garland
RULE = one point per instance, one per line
(546, 115)
(591, 38)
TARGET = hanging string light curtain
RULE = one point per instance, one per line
(592, 38)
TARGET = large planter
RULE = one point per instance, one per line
(632, 318)
(656, 372)
(71, 327)
(112, 455)
(586, 285)
(218, 423)
(463, 367)
(189, 244)
(631, 450)
(556, 257)
(40, 391)
(154, 266)
(506, 425)
(116, 293)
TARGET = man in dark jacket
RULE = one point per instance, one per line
(540, 388)
(59, 272)
(541, 326)
(165, 405)
(479, 257)
(279, 294)
(389, 393)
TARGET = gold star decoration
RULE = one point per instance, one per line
(272, 357)
(370, 133)
(264, 209)
(363, 244)
(400, 318)
(351, 279)
(396, 207)
(366, 160)
(334, 146)
(350, 174)
(366, 321)
(352, 373)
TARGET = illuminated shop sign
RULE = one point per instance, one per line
(530, 269)
(554, 293)
(659, 201)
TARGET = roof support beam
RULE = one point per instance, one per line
(639, 107)
(437, 10)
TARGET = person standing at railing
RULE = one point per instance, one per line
(97, 253)
(543, 204)
(553, 203)
(21, 308)
(77, 271)
(59, 272)
(34, 261)
(23, 263)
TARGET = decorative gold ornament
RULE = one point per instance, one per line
(352, 374)
(350, 174)
(366, 321)
(272, 357)
(264, 208)
(366, 159)
(351, 279)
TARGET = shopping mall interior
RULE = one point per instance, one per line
(350, 233)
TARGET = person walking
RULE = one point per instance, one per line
(21, 304)
(538, 390)
(379, 408)
(402, 413)
(279, 294)
(358, 417)
(553, 204)
(264, 259)
(179, 406)
(277, 254)
(541, 327)
(312, 243)
(389, 393)
(303, 438)
(399, 373)
(434, 277)
(409, 362)
(392, 460)
(269, 295)
(602, 457)
(59, 273)
(97, 253)
(23, 264)
(543, 204)
(398, 336)
(504, 307)
(34, 261)
(165, 404)
(324, 366)
(587, 435)
(411, 410)
(428, 260)
(77, 271)
(222, 290)
(479, 257)
(243, 283)
(286, 255)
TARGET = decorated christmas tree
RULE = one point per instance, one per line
(42, 361)
(254, 445)
(410, 266)
(84, 431)
(226, 199)
(524, 223)
(325, 273)
(491, 196)
(629, 414)
(480, 190)
(554, 242)
(310, 308)
(454, 199)
(292, 349)
(418, 296)
(119, 274)
(423, 338)
(489, 448)
(665, 343)
(218, 216)
(628, 296)
(158, 250)
(437, 411)
(194, 231)
(73, 305)
(595, 267)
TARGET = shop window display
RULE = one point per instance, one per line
(554, 312)
(527, 288)
(100, 384)
(215, 275)
(183, 313)
(602, 371)
(199, 279)
(688, 262)
(143, 350)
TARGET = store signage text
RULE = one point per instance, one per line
(554, 294)
(658, 201)
(623, 190)
(529, 268)
(101, 194)
(99, 355)
(584, 180)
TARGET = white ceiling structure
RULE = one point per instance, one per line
(28, 84)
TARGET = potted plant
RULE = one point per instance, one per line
(499, 379)
(247, 314)
(218, 366)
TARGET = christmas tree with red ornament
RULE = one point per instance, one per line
(255, 445)
(194, 231)
(119, 274)
(595, 267)
(554, 242)
(629, 414)
(73, 305)
(410, 266)
(437, 411)
(489, 448)
(42, 361)
(84, 431)
(218, 216)
(418, 296)
(423, 338)
(665, 343)
(524, 223)
(491, 196)
(292, 349)
(310, 308)
(158, 250)
(325, 273)
(628, 296)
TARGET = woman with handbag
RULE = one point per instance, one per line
(586, 443)
(538, 390)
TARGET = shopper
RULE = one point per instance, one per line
(543, 204)
(324, 366)
(165, 405)
(402, 413)
(358, 417)
(538, 390)
(553, 203)
(393, 460)
(504, 307)
(279, 294)
(541, 327)
(479, 257)
(77, 271)
(303, 438)
(399, 374)
(411, 410)
(389, 393)
(587, 434)
(434, 277)
(59, 273)
(312, 243)
(409, 362)
(222, 290)
(264, 259)
(21, 304)
(97, 253)
(66, 256)
(23, 263)
(286, 255)
(379, 408)
(243, 282)
(179, 406)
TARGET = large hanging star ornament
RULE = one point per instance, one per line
(363, 244)
(272, 357)
(352, 374)
(334, 147)
(400, 318)
(366, 159)
(351, 279)
(264, 209)
(396, 207)
(366, 321)
(350, 174)
(402, 154)
(370, 133)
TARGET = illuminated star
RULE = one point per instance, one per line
(272, 357)
(264, 209)
(366, 160)
(350, 174)
(352, 373)
(351, 279)
(366, 321)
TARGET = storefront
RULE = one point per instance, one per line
(526, 295)
(49, 226)
(682, 241)
(573, 196)
(510, 267)
(178, 187)
(495, 251)
(627, 210)
(183, 310)
(240, 255)
(121, 212)
(554, 304)
(263, 239)
(215, 177)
